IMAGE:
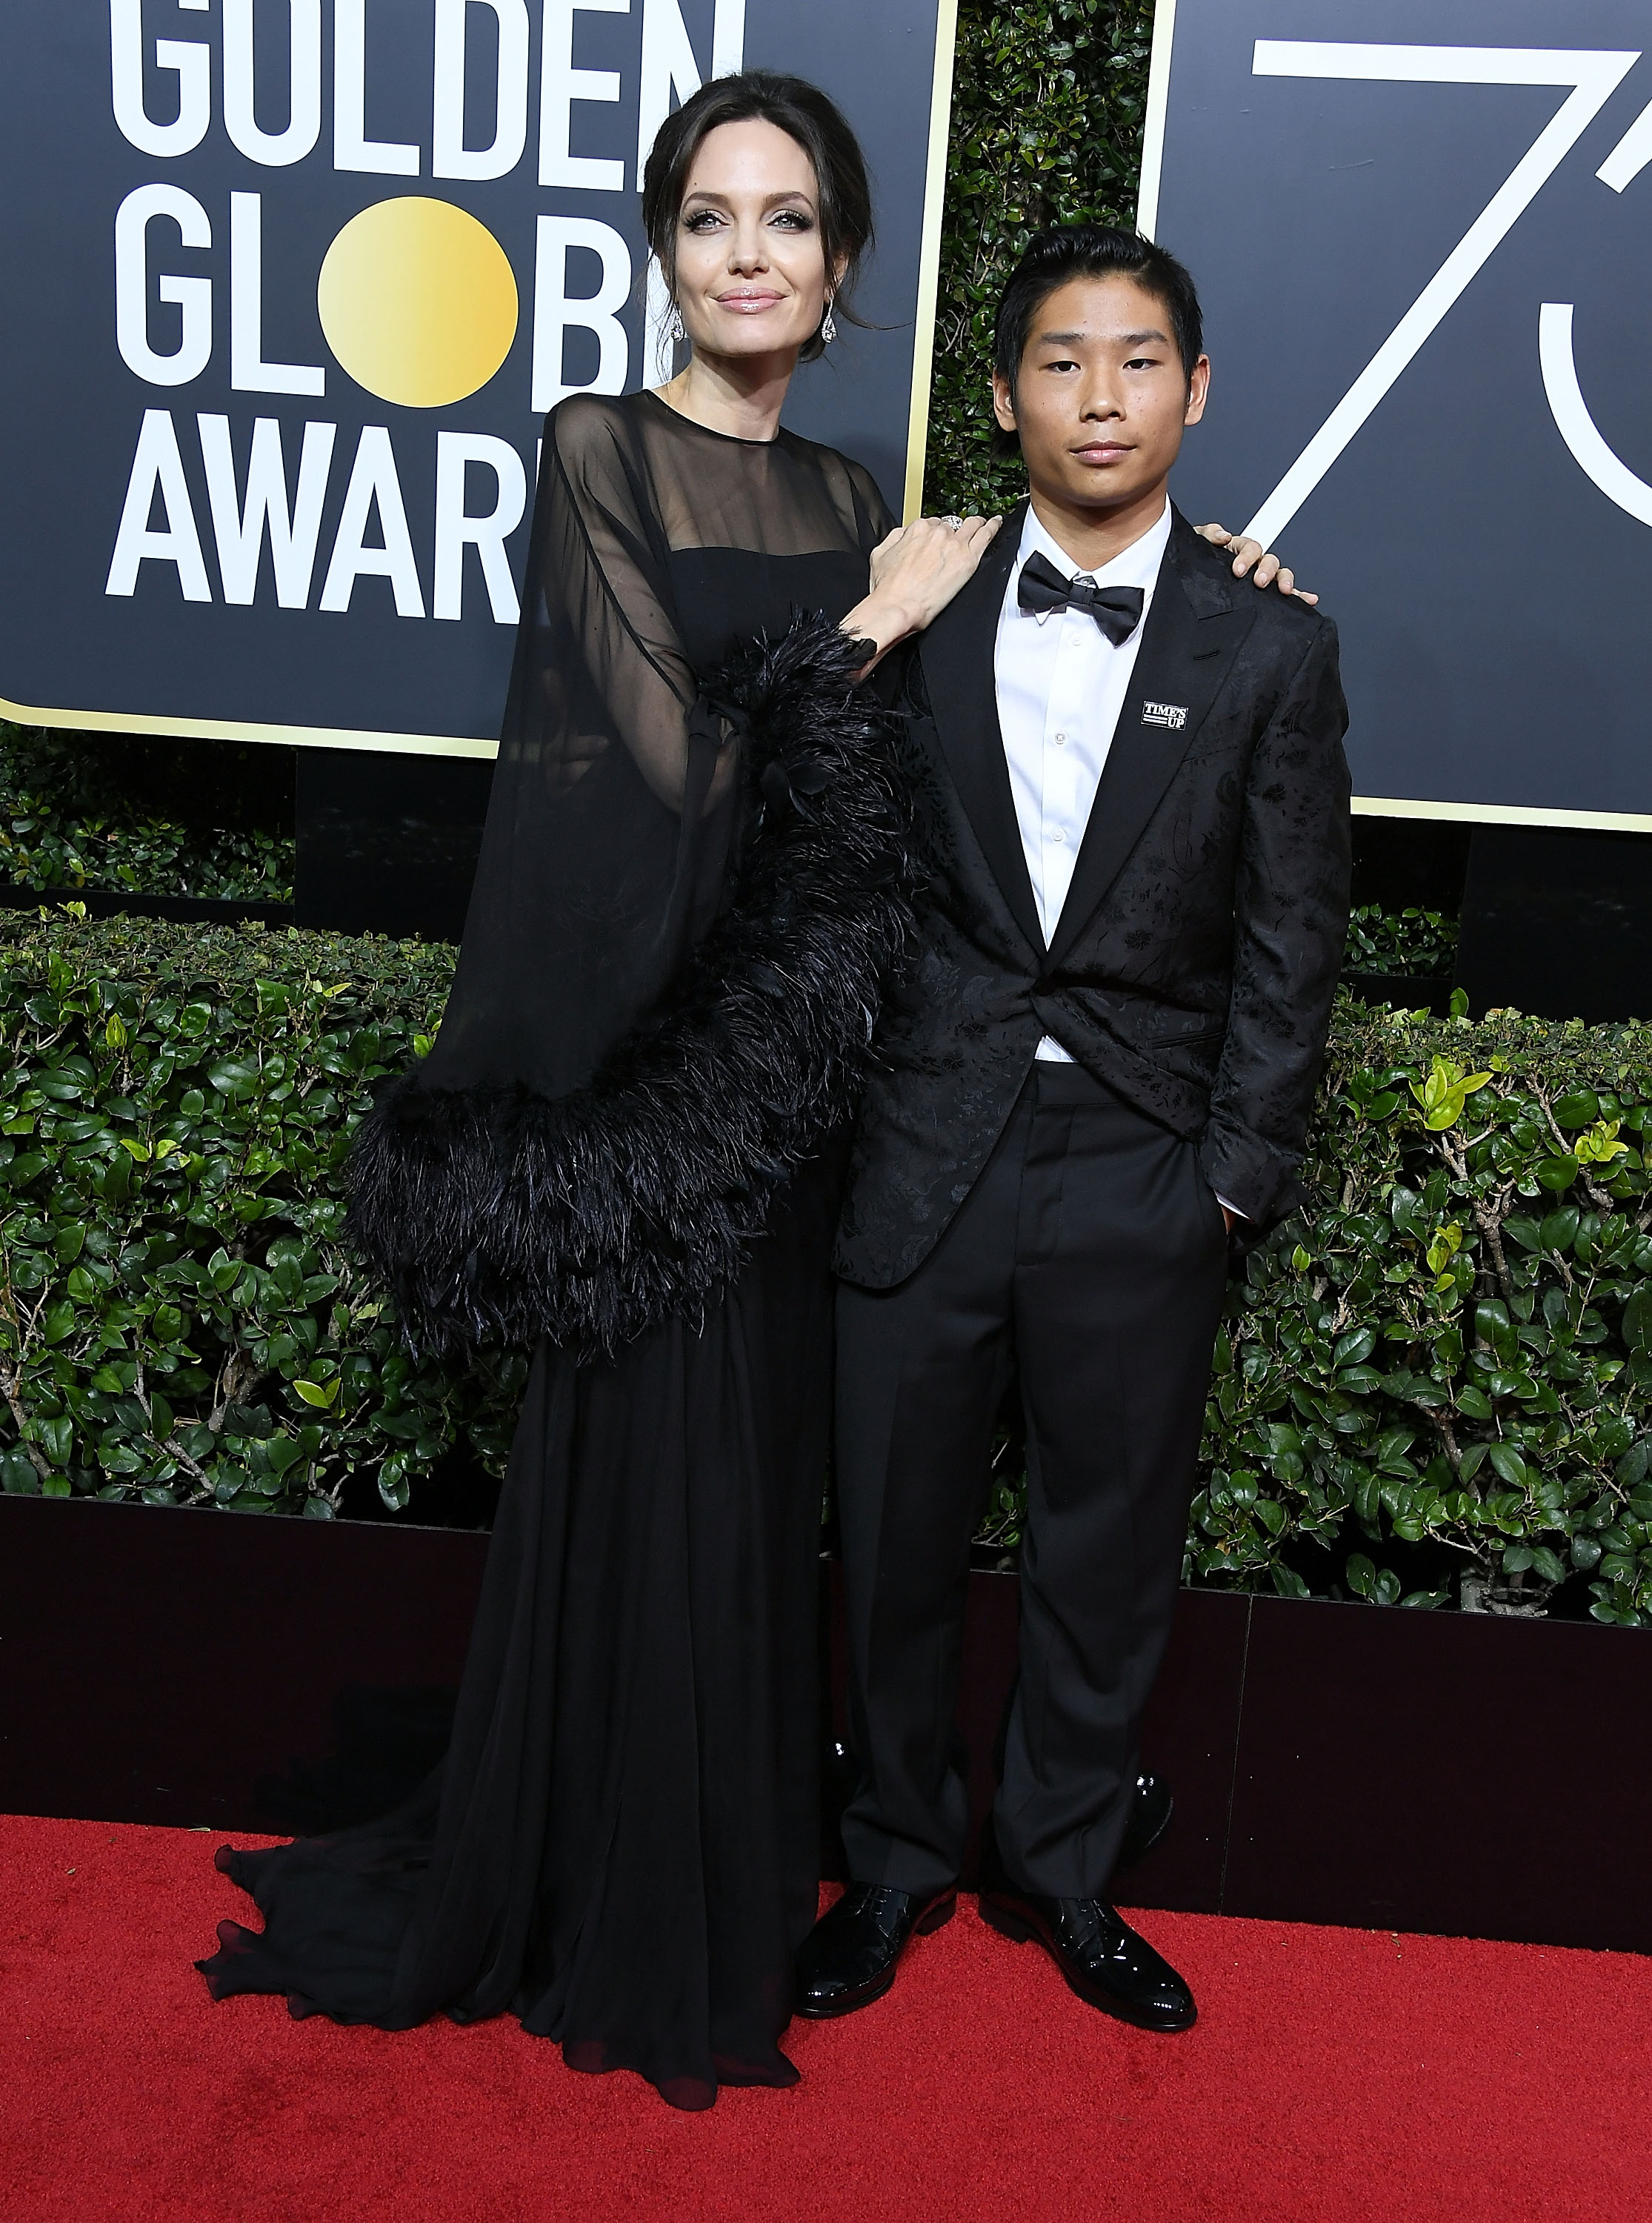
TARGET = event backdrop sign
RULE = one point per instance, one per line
(290, 286)
(1422, 230)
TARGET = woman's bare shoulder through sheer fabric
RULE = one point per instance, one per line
(877, 519)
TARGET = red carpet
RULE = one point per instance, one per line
(1335, 2075)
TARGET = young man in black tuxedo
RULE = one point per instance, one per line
(1135, 808)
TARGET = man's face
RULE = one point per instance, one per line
(1102, 400)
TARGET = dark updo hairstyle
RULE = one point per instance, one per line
(804, 113)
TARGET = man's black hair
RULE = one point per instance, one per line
(1091, 250)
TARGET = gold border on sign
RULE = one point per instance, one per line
(250, 729)
(923, 339)
(1503, 814)
(1152, 132)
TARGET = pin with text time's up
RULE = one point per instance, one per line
(1173, 714)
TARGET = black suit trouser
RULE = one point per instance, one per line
(1089, 1254)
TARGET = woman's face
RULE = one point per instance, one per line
(751, 276)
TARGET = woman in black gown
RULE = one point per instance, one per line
(623, 1150)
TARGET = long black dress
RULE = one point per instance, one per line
(620, 1846)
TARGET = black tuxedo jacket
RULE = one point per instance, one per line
(1195, 957)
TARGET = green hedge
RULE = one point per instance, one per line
(1412, 941)
(179, 1321)
(1445, 1364)
(1048, 99)
(73, 815)
(1446, 1358)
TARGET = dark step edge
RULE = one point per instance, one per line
(120, 903)
(1408, 991)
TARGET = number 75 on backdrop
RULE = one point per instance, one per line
(289, 286)
(1422, 230)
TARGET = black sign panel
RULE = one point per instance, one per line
(1422, 231)
(291, 285)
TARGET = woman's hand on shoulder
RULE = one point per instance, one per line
(1250, 557)
(920, 566)
(915, 572)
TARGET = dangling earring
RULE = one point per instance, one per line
(676, 330)
(828, 325)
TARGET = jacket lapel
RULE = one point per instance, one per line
(1198, 620)
(957, 655)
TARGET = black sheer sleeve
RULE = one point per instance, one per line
(878, 520)
(586, 863)
(690, 887)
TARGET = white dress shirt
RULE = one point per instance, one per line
(1061, 689)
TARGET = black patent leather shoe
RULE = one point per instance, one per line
(1103, 1960)
(1151, 1809)
(850, 1955)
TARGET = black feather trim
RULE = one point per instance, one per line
(590, 1217)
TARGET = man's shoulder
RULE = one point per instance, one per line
(1279, 621)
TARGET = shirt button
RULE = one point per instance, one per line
(1061, 741)
(1057, 837)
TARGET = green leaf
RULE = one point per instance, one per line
(1508, 1463)
(1577, 1109)
(17, 1476)
(322, 1395)
(1559, 1231)
(55, 1436)
(236, 1078)
(1638, 1319)
(1558, 1172)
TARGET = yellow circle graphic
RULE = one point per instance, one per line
(418, 301)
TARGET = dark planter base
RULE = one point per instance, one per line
(1405, 992)
(1461, 1775)
(117, 903)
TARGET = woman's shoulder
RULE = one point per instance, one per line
(844, 474)
(583, 422)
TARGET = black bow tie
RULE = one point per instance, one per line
(1117, 610)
